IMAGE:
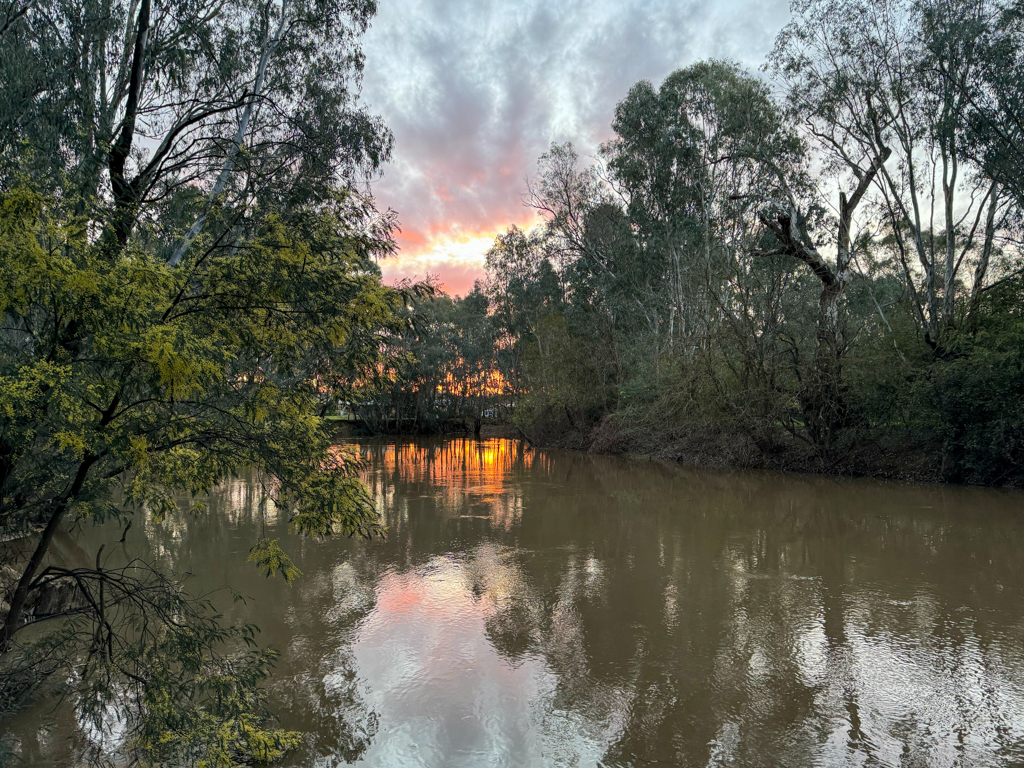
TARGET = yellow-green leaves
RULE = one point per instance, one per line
(29, 385)
(268, 556)
(186, 365)
(128, 388)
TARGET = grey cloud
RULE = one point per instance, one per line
(475, 90)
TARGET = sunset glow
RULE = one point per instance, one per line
(474, 476)
(454, 256)
(491, 382)
(474, 98)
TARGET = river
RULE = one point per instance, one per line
(541, 608)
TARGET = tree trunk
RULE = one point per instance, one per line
(243, 126)
(981, 269)
(126, 194)
(823, 404)
(12, 623)
(821, 395)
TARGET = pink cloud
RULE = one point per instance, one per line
(476, 91)
(450, 252)
(456, 279)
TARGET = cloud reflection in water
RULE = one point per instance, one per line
(562, 609)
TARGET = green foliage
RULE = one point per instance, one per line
(202, 709)
(268, 556)
(66, 96)
(568, 375)
(124, 378)
(175, 379)
(973, 401)
(187, 286)
(996, 110)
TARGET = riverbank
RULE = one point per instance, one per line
(344, 429)
(893, 457)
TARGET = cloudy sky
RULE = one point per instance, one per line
(476, 90)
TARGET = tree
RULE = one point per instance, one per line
(996, 108)
(693, 160)
(476, 377)
(800, 277)
(993, 124)
(187, 275)
(170, 382)
(590, 238)
(180, 115)
(521, 285)
(567, 196)
(875, 84)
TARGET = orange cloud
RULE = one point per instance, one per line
(453, 254)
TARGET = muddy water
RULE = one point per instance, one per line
(534, 608)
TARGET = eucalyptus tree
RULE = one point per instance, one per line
(652, 160)
(994, 126)
(522, 286)
(694, 161)
(698, 162)
(997, 102)
(567, 196)
(170, 113)
(883, 88)
(476, 378)
(590, 239)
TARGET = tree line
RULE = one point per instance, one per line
(814, 267)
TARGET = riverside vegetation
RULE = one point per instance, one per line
(817, 270)
(187, 276)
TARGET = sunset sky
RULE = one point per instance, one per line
(476, 90)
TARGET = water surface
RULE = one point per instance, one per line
(533, 608)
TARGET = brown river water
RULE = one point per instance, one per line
(542, 608)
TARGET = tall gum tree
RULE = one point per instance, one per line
(880, 88)
(176, 111)
(693, 160)
(996, 103)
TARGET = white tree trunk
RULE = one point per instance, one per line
(243, 126)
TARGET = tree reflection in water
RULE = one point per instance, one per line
(545, 608)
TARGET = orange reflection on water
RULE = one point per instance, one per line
(469, 478)
(483, 465)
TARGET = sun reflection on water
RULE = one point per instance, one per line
(470, 479)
